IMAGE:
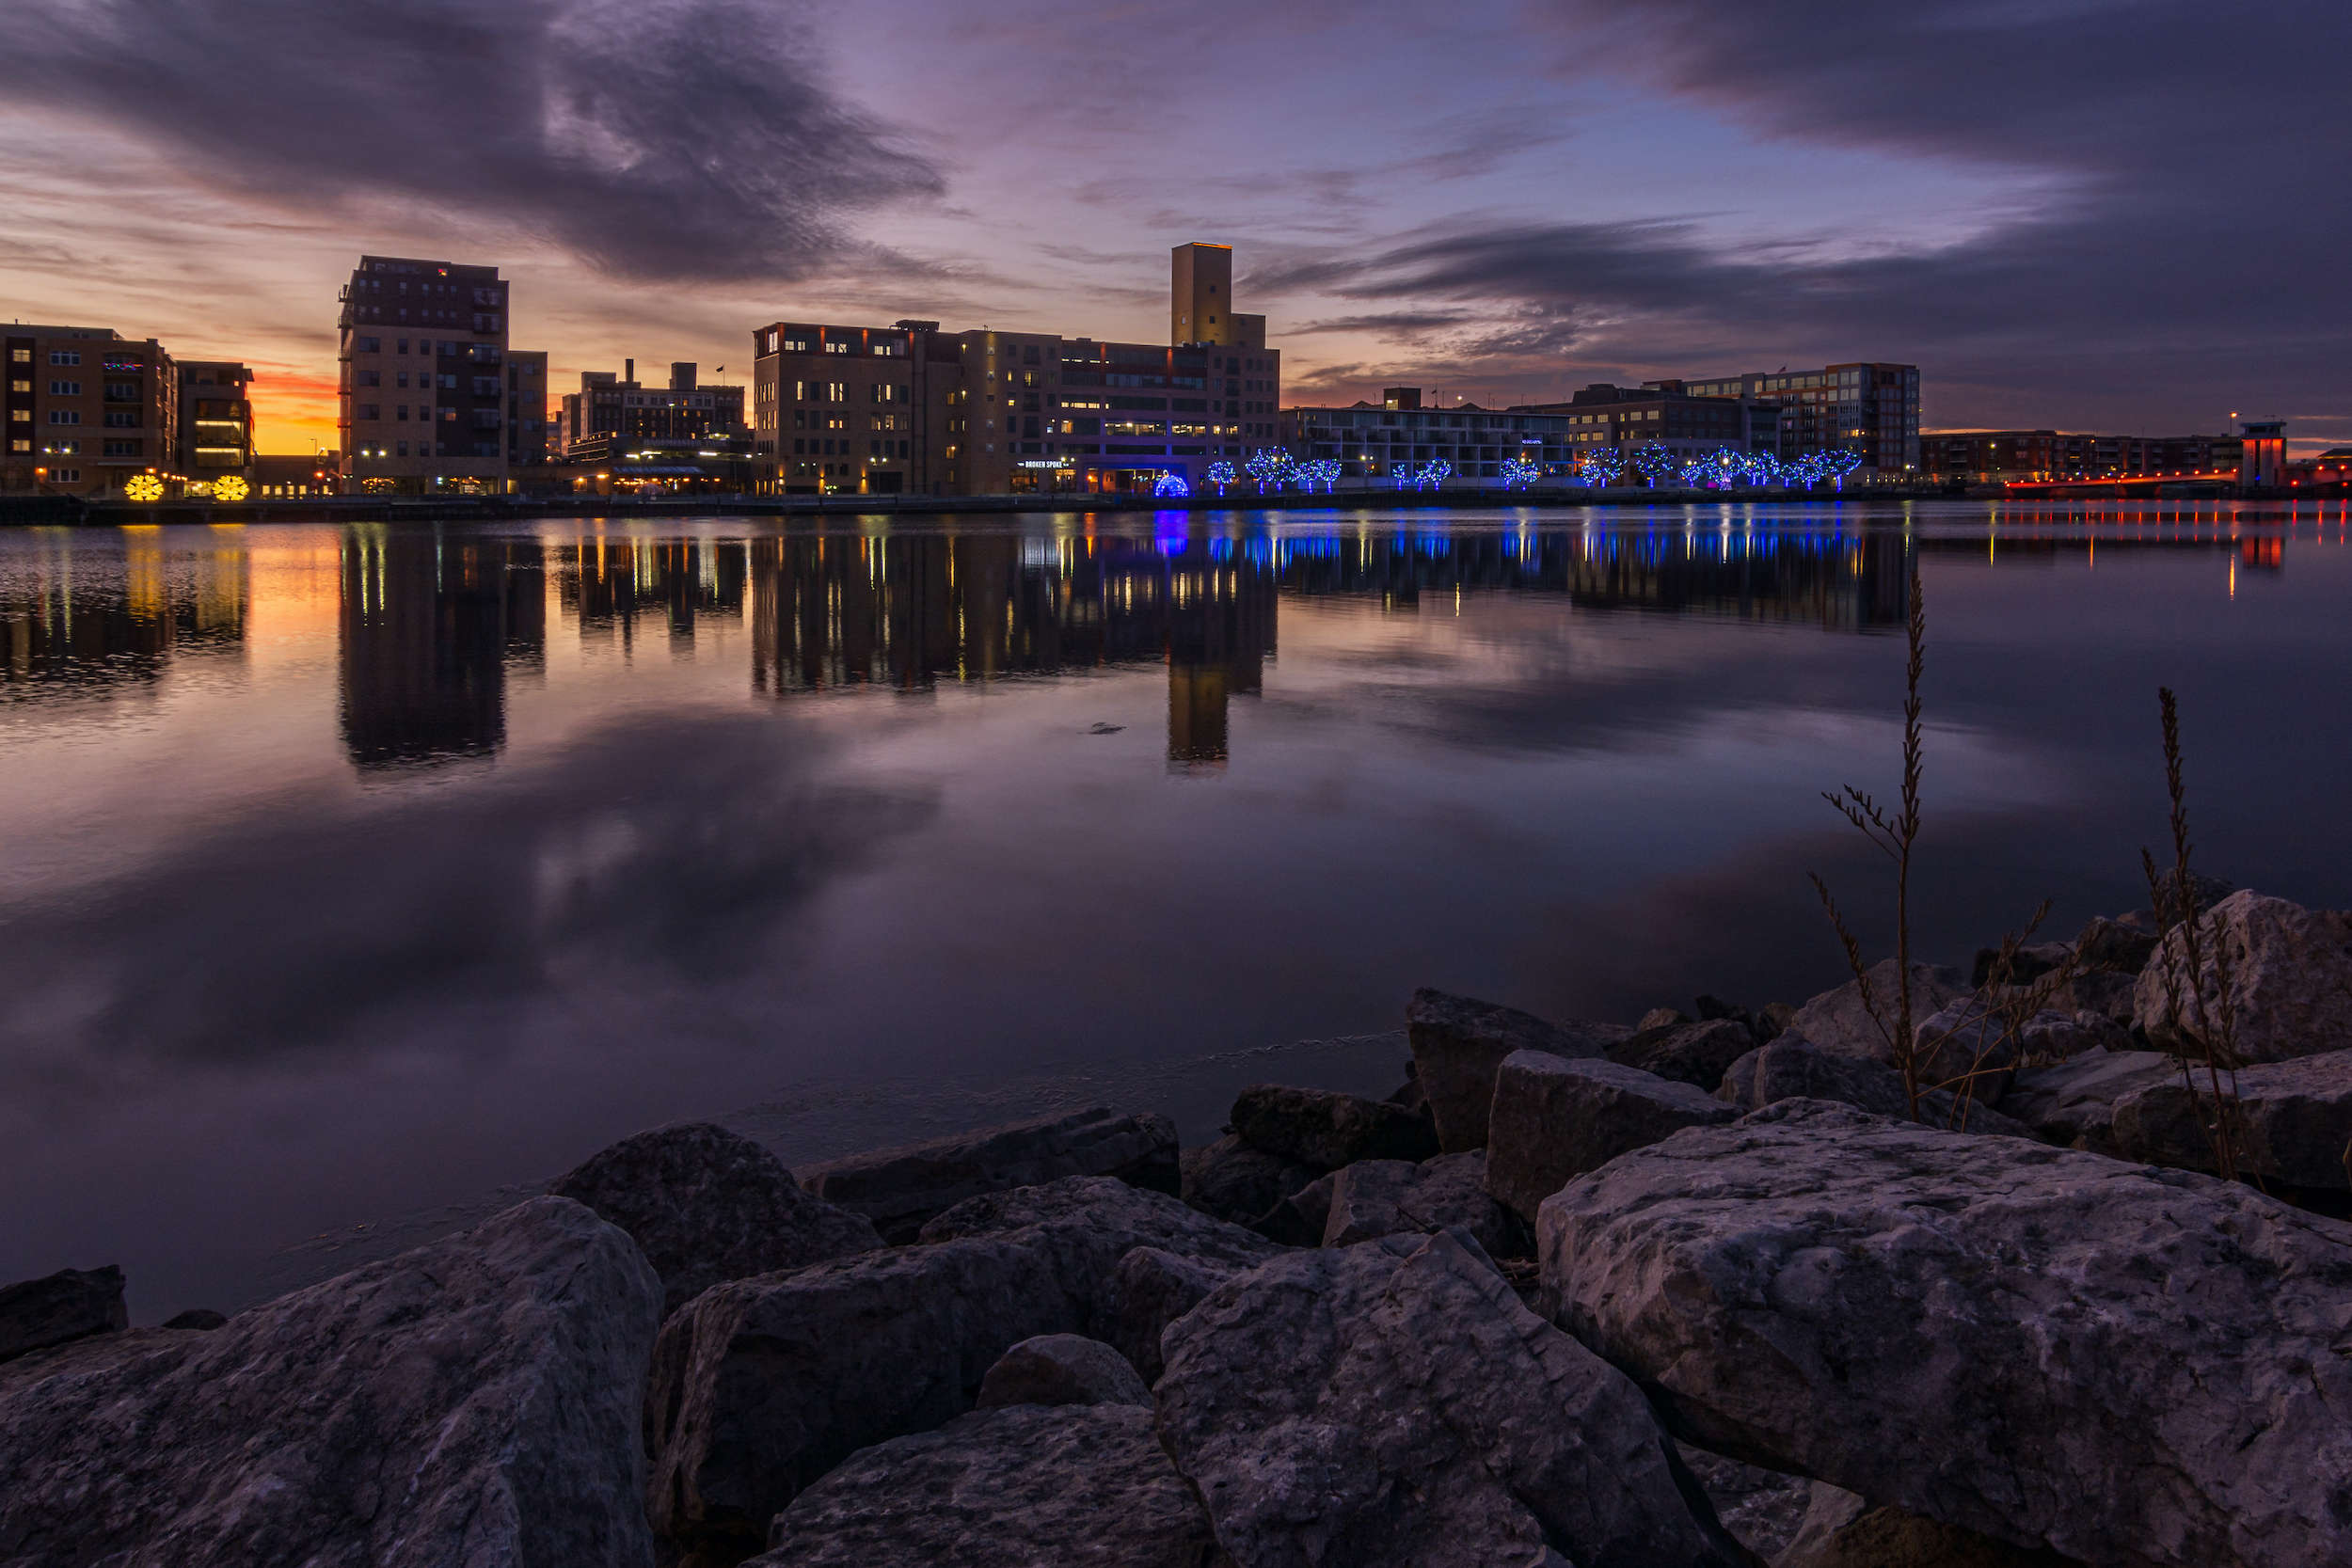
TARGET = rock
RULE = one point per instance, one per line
(1394, 1403)
(706, 1205)
(1411, 1095)
(1022, 1487)
(1836, 1021)
(2052, 1349)
(761, 1385)
(1964, 1047)
(470, 1402)
(1300, 1219)
(2029, 963)
(1390, 1197)
(2074, 1101)
(1790, 1069)
(1231, 1181)
(1828, 1511)
(1063, 1369)
(1150, 1289)
(2112, 946)
(1459, 1043)
(202, 1319)
(1555, 1118)
(898, 1189)
(1772, 1020)
(1762, 1508)
(1326, 1129)
(1845, 1532)
(2293, 1122)
(1662, 1018)
(2290, 983)
(72, 1304)
(1692, 1053)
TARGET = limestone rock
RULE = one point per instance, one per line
(1326, 1129)
(470, 1402)
(2293, 1124)
(1839, 1530)
(1393, 1403)
(900, 1188)
(2111, 946)
(1836, 1021)
(2290, 983)
(1458, 1045)
(1150, 1289)
(1762, 1508)
(1231, 1181)
(2075, 1100)
(1063, 1369)
(1390, 1197)
(1692, 1053)
(2131, 1367)
(706, 1205)
(1300, 1219)
(1555, 1118)
(1662, 1018)
(761, 1385)
(1792, 1069)
(1022, 1487)
(2029, 963)
(202, 1319)
(1410, 1093)
(72, 1304)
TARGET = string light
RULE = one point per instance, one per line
(1521, 471)
(1272, 465)
(1172, 486)
(1323, 471)
(1221, 474)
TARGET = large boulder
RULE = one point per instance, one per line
(1233, 1179)
(706, 1205)
(1790, 1069)
(1326, 1129)
(59, 1308)
(1063, 1369)
(1692, 1053)
(2290, 992)
(2114, 947)
(2293, 1121)
(1393, 1403)
(1839, 1023)
(1840, 1531)
(2131, 1367)
(1459, 1043)
(761, 1385)
(1150, 1289)
(1022, 1487)
(1395, 1198)
(900, 1188)
(1762, 1508)
(470, 1402)
(1555, 1118)
(2072, 1104)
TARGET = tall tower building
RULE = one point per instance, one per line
(1201, 295)
(423, 363)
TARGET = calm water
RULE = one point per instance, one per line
(354, 873)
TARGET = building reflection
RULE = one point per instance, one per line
(611, 583)
(93, 615)
(907, 613)
(430, 624)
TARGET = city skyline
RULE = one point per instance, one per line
(2051, 210)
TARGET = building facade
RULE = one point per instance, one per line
(1399, 437)
(215, 437)
(1661, 413)
(85, 410)
(423, 384)
(2038, 456)
(619, 405)
(526, 408)
(1867, 407)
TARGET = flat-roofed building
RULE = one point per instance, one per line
(216, 438)
(1687, 424)
(86, 410)
(2036, 456)
(688, 409)
(1867, 406)
(526, 408)
(424, 376)
(1399, 436)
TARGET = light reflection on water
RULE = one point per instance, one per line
(359, 869)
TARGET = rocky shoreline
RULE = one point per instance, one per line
(1692, 1290)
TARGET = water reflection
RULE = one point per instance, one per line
(430, 626)
(83, 623)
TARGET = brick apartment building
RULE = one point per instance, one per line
(424, 376)
(1662, 413)
(1398, 435)
(86, 410)
(1864, 407)
(607, 404)
(215, 434)
(2029, 456)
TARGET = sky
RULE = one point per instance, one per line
(2113, 215)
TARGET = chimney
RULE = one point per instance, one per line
(628, 372)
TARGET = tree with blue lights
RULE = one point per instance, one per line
(1272, 465)
(1172, 486)
(1837, 464)
(1221, 474)
(1521, 471)
(1601, 466)
(1654, 462)
(1433, 475)
(1761, 468)
(1323, 471)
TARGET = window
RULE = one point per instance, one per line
(65, 475)
(122, 391)
(65, 356)
(837, 392)
(836, 348)
(371, 410)
(65, 389)
(20, 357)
(401, 448)
(367, 345)
(71, 449)
(21, 445)
(122, 448)
(368, 378)
(122, 418)
(64, 416)
(404, 411)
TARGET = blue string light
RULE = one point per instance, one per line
(1221, 474)
(1172, 485)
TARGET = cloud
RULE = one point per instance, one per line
(655, 139)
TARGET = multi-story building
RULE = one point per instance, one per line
(1400, 436)
(1688, 424)
(526, 407)
(87, 408)
(908, 408)
(215, 435)
(686, 410)
(1867, 407)
(2032, 456)
(424, 376)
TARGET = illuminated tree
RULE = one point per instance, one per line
(1654, 462)
(1838, 462)
(1521, 471)
(1323, 471)
(1434, 475)
(1272, 465)
(1761, 468)
(1221, 475)
(1601, 466)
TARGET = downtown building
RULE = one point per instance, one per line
(1867, 407)
(85, 410)
(608, 411)
(423, 382)
(1689, 425)
(215, 437)
(913, 409)
(1399, 437)
(2037, 456)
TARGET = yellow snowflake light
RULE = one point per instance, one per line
(228, 487)
(144, 487)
